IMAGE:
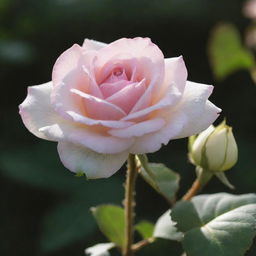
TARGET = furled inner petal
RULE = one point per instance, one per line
(139, 57)
(128, 96)
(170, 99)
(116, 75)
(99, 109)
(109, 89)
(90, 86)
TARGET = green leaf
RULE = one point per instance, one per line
(226, 52)
(161, 178)
(145, 228)
(166, 228)
(110, 219)
(221, 224)
(100, 249)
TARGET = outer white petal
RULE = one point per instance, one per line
(94, 165)
(200, 112)
(175, 74)
(93, 45)
(36, 110)
(193, 114)
(100, 249)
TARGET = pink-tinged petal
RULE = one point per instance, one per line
(136, 47)
(66, 63)
(153, 89)
(109, 89)
(91, 86)
(99, 109)
(139, 129)
(106, 123)
(36, 110)
(89, 45)
(79, 78)
(65, 131)
(94, 165)
(193, 114)
(170, 99)
(128, 96)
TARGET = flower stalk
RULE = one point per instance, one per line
(203, 177)
(129, 205)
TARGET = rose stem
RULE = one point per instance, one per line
(196, 186)
(202, 179)
(129, 204)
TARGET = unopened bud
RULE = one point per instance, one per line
(215, 149)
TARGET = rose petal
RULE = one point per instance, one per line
(106, 123)
(36, 110)
(128, 96)
(93, 45)
(136, 47)
(74, 69)
(152, 142)
(170, 99)
(200, 112)
(78, 77)
(85, 137)
(99, 109)
(193, 114)
(175, 75)
(139, 129)
(109, 89)
(66, 62)
(94, 165)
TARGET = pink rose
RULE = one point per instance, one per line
(106, 101)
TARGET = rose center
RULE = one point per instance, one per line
(116, 75)
(118, 72)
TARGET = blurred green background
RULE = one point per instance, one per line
(44, 207)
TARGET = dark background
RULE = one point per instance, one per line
(44, 207)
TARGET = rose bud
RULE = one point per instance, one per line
(215, 149)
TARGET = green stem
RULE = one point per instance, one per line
(129, 205)
(203, 177)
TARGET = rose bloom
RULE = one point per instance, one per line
(108, 100)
